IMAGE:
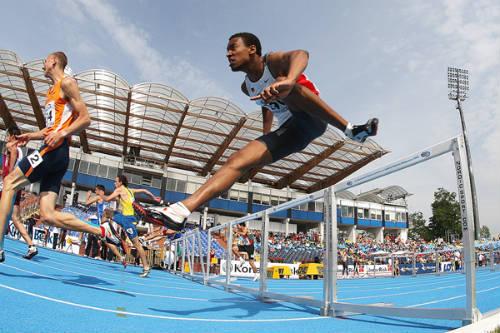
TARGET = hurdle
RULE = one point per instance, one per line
(329, 305)
(189, 243)
(411, 257)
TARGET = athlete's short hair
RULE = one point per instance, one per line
(108, 213)
(100, 187)
(62, 60)
(14, 130)
(123, 179)
(249, 39)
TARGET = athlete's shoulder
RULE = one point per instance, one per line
(274, 56)
(68, 83)
(274, 61)
(282, 57)
(68, 80)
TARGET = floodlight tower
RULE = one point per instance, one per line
(458, 85)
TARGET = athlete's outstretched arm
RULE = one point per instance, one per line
(287, 67)
(23, 139)
(72, 95)
(143, 190)
(113, 196)
(90, 200)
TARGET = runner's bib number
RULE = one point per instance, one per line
(35, 159)
(50, 114)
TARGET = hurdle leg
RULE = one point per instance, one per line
(467, 218)
(209, 263)
(264, 250)
(229, 253)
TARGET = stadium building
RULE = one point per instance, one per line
(170, 145)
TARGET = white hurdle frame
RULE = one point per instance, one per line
(329, 305)
(188, 241)
(456, 146)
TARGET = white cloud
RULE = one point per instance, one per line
(86, 47)
(463, 33)
(471, 31)
(70, 9)
(149, 61)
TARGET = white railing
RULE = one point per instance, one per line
(329, 304)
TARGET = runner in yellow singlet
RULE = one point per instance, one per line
(125, 215)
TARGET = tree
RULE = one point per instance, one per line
(484, 232)
(418, 229)
(445, 218)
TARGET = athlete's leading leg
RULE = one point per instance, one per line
(14, 181)
(254, 268)
(49, 215)
(16, 219)
(127, 224)
(254, 154)
(117, 253)
(142, 254)
(237, 254)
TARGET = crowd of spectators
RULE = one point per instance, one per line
(366, 250)
(307, 246)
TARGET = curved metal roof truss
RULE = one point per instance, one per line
(198, 135)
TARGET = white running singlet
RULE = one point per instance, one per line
(278, 108)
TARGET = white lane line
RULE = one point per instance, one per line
(110, 279)
(395, 283)
(451, 298)
(102, 269)
(297, 291)
(156, 316)
(414, 292)
(102, 272)
(397, 294)
(368, 286)
(423, 290)
(122, 291)
(340, 289)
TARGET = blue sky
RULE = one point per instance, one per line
(369, 58)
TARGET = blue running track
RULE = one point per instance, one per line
(58, 292)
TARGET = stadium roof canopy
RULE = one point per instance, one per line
(346, 195)
(385, 195)
(163, 126)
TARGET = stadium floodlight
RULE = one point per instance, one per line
(458, 85)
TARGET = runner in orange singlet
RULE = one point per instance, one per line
(65, 114)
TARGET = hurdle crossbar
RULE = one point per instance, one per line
(329, 304)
